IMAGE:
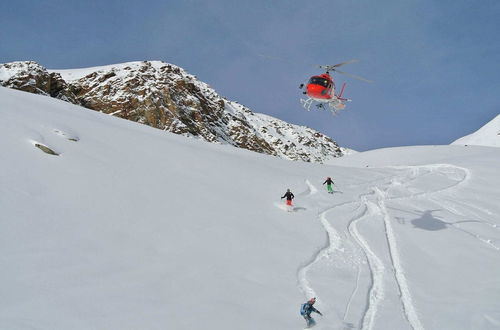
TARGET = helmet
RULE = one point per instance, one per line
(288, 190)
(328, 178)
(312, 300)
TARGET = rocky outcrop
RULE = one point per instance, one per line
(33, 78)
(166, 97)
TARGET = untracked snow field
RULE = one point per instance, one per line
(125, 227)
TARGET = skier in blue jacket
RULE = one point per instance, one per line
(306, 309)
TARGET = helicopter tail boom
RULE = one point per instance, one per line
(341, 91)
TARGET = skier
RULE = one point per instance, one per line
(289, 196)
(306, 309)
(329, 183)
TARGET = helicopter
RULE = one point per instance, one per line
(321, 89)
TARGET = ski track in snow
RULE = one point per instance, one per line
(376, 267)
(452, 206)
(332, 243)
(409, 309)
(478, 237)
(354, 291)
(311, 188)
(373, 203)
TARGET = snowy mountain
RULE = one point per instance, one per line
(488, 135)
(108, 231)
(166, 97)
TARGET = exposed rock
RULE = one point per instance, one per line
(164, 96)
(46, 149)
(32, 77)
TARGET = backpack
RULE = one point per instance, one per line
(303, 309)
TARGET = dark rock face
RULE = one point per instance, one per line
(166, 97)
(33, 78)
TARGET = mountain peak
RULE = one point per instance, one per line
(166, 97)
(488, 135)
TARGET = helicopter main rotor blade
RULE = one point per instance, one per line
(344, 63)
(333, 67)
(354, 76)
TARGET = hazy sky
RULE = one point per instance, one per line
(435, 64)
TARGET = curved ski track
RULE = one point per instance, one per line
(373, 203)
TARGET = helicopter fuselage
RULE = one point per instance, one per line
(320, 87)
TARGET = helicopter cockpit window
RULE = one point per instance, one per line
(319, 81)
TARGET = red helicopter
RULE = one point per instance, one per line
(321, 89)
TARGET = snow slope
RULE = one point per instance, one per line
(132, 228)
(488, 135)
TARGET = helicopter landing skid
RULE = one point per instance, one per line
(307, 103)
(334, 106)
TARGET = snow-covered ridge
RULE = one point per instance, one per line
(71, 75)
(488, 135)
(165, 96)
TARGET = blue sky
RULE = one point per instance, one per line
(435, 64)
